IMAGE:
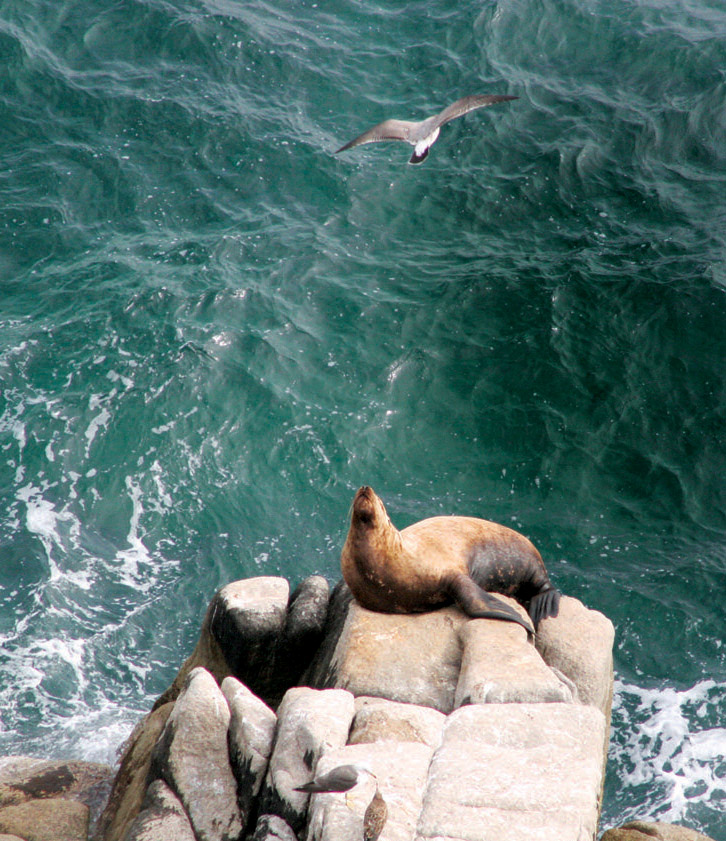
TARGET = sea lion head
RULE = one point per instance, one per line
(368, 511)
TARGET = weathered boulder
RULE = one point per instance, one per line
(653, 831)
(4, 837)
(129, 785)
(400, 768)
(413, 658)
(579, 642)
(162, 817)
(46, 819)
(240, 631)
(273, 828)
(25, 778)
(192, 758)
(516, 771)
(380, 720)
(310, 723)
(499, 666)
(250, 738)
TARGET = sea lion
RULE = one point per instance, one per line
(440, 560)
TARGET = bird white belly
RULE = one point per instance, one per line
(424, 144)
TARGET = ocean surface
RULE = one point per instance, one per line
(213, 330)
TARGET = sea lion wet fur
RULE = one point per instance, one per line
(440, 560)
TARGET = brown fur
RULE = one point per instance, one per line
(438, 560)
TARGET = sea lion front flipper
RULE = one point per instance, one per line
(544, 604)
(479, 604)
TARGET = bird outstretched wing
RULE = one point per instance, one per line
(387, 130)
(469, 103)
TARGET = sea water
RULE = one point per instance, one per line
(213, 330)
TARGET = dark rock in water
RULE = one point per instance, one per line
(250, 738)
(191, 756)
(162, 817)
(655, 831)
(310, 721)
(273, 828)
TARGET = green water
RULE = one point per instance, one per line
(212, 331)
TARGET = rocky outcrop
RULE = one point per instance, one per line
(253, 631)
(516, 771)
(646, 831)
(311, 723)
(37, 795)
(250, 738)
(471, 730)
(129, 785)
(414, 658)
(162, 817)
(257, 632)
(192, 758)
(498, 667)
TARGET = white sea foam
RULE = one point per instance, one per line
(100, 420)
(669, 743)
(137, 554)
(43, 520)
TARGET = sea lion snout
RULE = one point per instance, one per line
(364, 505)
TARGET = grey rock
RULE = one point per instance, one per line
(273, 828)
(239, 636)
(412, 658)
(320, 673)
(250, 738)
(499, 665)
(516, 771)
(162, 817)
(579, 643)
(192, 757)
(310, 723)
(380, 720)
(246, 619)
(307, 611)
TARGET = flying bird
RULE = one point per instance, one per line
(422, 135)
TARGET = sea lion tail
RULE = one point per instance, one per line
(544, 604)
(479, 604)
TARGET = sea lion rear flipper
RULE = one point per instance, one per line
(544, 604)
(479, 604)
